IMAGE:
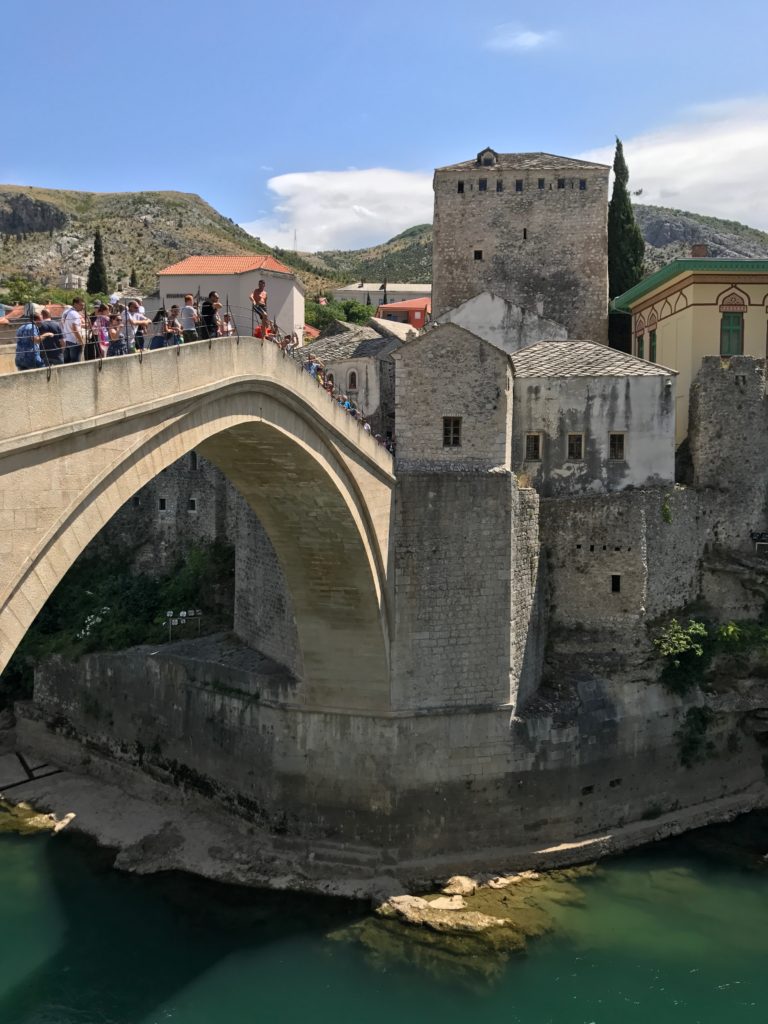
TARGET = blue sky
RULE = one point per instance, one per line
(328, 118)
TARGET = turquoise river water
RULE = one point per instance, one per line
(675, 935)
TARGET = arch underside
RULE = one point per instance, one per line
(306, 492)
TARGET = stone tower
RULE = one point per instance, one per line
(529, 227)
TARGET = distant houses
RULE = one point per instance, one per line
(380, 293)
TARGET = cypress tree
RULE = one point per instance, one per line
(625, 241)
(97, 272)
(133, 281)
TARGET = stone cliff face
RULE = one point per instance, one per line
(21, 214)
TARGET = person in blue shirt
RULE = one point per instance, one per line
(28, 345)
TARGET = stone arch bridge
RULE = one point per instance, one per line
(77, 442)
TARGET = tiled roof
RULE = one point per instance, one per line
(311, 332)
(406, 304)
(581, 359)
(350, 341)
(526, 162)
(226, 265)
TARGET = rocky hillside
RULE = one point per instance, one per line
(406, 257)
(45, 232)
(669, 234)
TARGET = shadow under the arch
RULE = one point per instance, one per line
(130, 945)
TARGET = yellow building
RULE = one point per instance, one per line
(694, 308)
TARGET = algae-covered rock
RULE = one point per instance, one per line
(24, 820)
(448, 903)
(460, 885)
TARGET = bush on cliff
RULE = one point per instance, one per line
(100, 605)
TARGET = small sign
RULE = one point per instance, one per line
(174, 622)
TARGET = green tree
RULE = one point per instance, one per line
(97, 272)
(134, 280)
(626, 247)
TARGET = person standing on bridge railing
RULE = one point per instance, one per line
(259, 299)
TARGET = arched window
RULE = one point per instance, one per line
(352, 381)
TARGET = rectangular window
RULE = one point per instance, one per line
(616, 584)
(478, 254)
(652, 346)
(136, 501)
(193, 460)
(616, 447)
(161, 504)
(533, 447)
(451, 431)
(519, 185)
(731, 334)
(482, 185)
(575, 447)
(542, 183)
(582, 184)
(499, 185)
(191, 505)
(640, 346)
(460, 186)
(561, 182)
(525, 234)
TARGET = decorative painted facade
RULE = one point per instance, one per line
(694, 308)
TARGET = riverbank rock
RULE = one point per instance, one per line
(460, 885)
(24, 820)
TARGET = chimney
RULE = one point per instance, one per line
(699, 251)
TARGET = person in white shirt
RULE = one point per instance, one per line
(74, 332)
(136, 325)
(189, 319)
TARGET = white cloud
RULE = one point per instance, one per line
(512, 38)
(344, 209)
(711, 161)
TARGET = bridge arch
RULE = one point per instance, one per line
(321, 488)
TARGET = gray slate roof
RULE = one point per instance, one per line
(581, 359)
(526, 162)
(350, 341)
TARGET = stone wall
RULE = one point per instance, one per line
(504, 324)
(264, 617)
(468, 616)
(545, 249)
(448, 372)
(728, 433)
(473, 787)
(642, 408)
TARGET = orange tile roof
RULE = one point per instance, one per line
(226, 265)
(311, 332)
(425, 304)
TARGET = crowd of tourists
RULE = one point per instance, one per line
(119, 329)
(115, 329)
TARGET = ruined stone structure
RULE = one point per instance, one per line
(528, 227)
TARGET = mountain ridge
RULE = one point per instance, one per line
(47, 232)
